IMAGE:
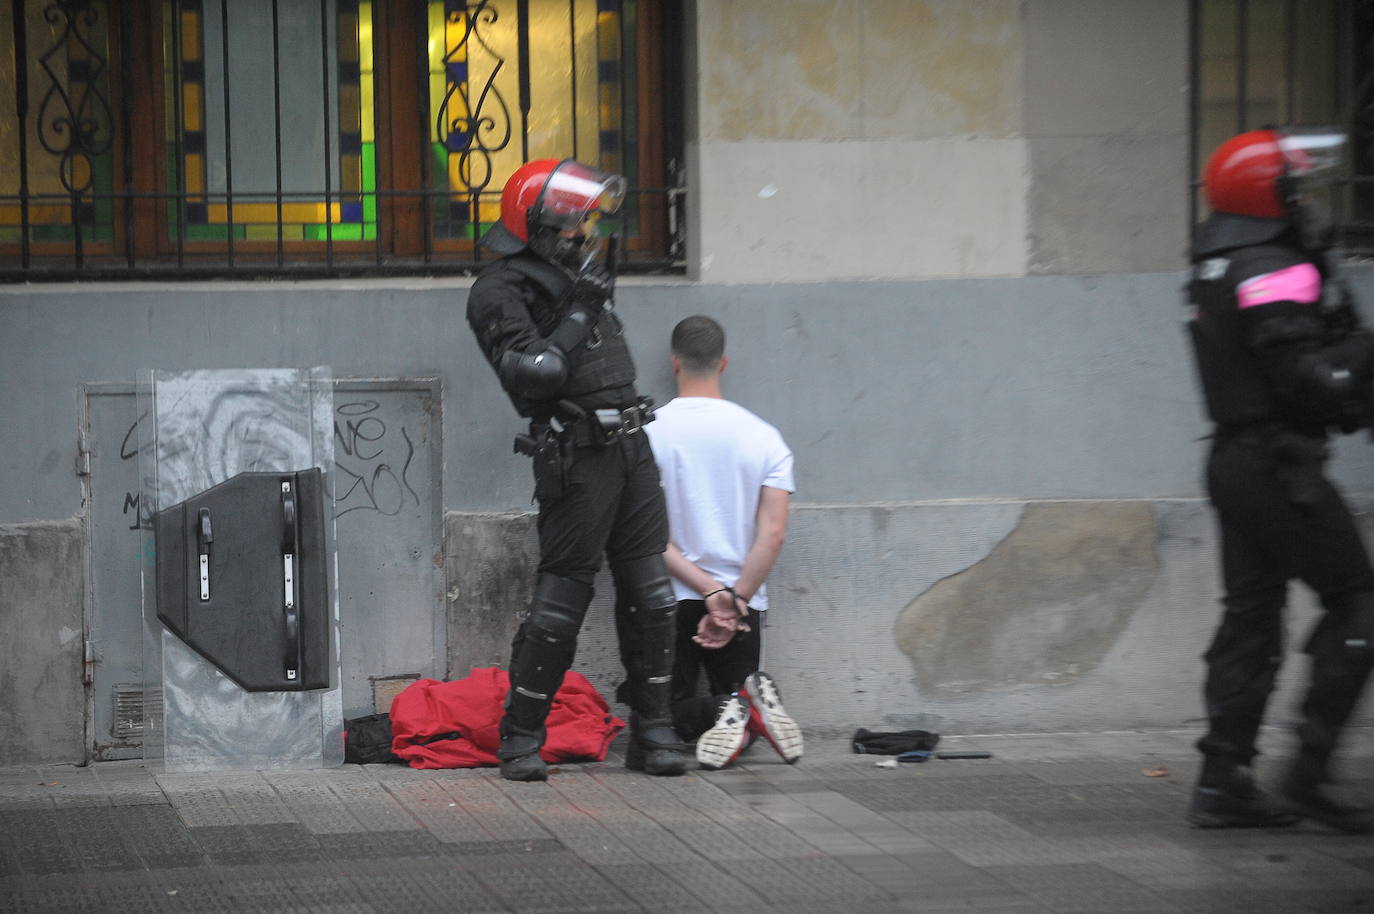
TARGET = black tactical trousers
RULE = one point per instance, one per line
(1280, 518)
(612, 504)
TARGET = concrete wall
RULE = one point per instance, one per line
(42, 591)
(936, 138)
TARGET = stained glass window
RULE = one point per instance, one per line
(264, 136)
(55, 160)
(510, 82)
(276, 137)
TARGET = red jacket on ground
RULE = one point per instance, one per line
(454, 724)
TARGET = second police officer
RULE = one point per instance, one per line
(1284, 362)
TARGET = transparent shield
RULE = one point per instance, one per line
(203, 428)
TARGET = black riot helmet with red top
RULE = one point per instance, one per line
(551, 207)
(1272, 173)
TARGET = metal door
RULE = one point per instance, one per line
(388, 511)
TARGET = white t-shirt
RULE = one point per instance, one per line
(713, 456)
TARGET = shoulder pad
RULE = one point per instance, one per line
(550, 278)
(1223, 232)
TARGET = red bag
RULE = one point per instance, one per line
(454, 724)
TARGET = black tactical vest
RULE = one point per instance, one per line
(600, 369)
(1235, 391)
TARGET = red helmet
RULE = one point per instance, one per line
(1260, 172)
(551, 194)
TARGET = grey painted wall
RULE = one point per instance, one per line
(1045, 387)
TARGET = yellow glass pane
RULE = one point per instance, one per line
(267, 212)
(289, 232)
(366, 74)
(195, 173)
(348, 38)
(369, 106)
(365, 37)
(190, 35)
(350, 173)
(350, 112)
(191, 114)
(39, 214)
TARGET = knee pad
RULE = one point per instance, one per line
(648, 591)
(547, 647)
(557, 610)
(646, 585)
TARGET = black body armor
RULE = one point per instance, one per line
(516, 305)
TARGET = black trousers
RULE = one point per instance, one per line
(725, 667)
(1280, 518)
(612, 504)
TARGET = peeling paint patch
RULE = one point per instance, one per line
(1045, 606)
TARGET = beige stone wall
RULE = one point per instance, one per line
(859, 139)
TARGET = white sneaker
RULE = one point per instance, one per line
(767, 716)
(722, 744)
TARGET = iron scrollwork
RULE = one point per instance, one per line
(483, 128)
(75, 123)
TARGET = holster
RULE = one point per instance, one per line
(550, 468)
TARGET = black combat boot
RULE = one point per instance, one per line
(1226, 797)
(519, 753)
(654, 748)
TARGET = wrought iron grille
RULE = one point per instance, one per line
(189, 138)
(1257, 63)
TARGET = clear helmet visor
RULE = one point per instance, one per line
(1312, 156)
(574, 192)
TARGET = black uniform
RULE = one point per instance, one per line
(595, 481)
(1283, 362)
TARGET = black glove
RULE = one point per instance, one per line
(592, 288)
(590, 291)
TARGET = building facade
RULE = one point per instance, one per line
(947, 242)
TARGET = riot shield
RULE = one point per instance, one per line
(241, 659)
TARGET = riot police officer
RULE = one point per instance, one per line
(1284, 362)
(543, 316)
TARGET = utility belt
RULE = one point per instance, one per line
(550, 440)
(588, 428)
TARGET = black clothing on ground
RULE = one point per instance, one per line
(1280, 368)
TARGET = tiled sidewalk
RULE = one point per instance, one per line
(1090, 823)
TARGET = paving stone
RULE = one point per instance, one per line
(371, 804)
(1085, 887)
(97, 839)
(432, 807)
(227, 845)
(537, 888)
(38, 842)
(420, 884)
(199, 802)
(159, 837)
(650, 889)
(501, 817)
(362, 845)
(315, 805)
(717, 889)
